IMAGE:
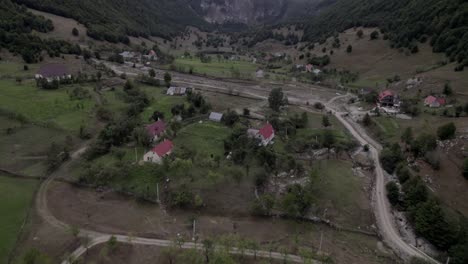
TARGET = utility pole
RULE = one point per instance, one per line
(136, 155)
(193, 231)
(157, 193)
(321, 239)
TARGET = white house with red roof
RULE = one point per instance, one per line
(159, 152)
(434, 102)
(156, 130)
(266, 134)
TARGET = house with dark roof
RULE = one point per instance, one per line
(53, 71)
(266, 134)
(156, 129)
(156, 154)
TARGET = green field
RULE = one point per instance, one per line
(159, 102)
(224, 68)
(112, 101)
(13, 69)
(206, 138)
(25, 147)
(337, 189)
(45, 106)
(390, 129)
(15, 200)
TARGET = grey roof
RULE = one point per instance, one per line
(176, 90)
(216, 116)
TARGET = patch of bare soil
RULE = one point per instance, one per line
(114, 213)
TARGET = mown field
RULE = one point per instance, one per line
(340, 193)
(11, 69)
(206, 138)
(24, 146)
(15, 201)
(222, 68)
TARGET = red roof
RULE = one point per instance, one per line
(163, 148)
(430, 99)
(267, 131)
(385, 93)
(157, 128)
(441, 101)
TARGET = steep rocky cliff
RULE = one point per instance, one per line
(242, 11)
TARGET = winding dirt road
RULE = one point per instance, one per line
(383, 212)
(96, 238)
(382, 209)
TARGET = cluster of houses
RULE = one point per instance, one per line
(434, 102)
(137, 57)
(390, 102)
(156, 131)
(309, 68)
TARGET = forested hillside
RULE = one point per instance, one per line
(16, 25)
(114, 20)
(404, 22)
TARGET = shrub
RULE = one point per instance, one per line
(465, 168)
(374, 35)
(390, 157)
(446, 131)
(393, 193)
(433, 159)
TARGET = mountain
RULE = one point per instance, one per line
(114, 20)
(16, 26)
(404, 22)
(240, 11)
(254, 12)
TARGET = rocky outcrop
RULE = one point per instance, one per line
(242, 11)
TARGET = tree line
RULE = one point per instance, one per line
(16, 26)
(114, 21)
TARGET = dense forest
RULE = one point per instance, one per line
(404, 22)
(16, 26)
(114, 20)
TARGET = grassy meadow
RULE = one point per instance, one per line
(206, 138)
(15, 200)
(40, 106)
(215, 68)
(11, 69)
(160, 102)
